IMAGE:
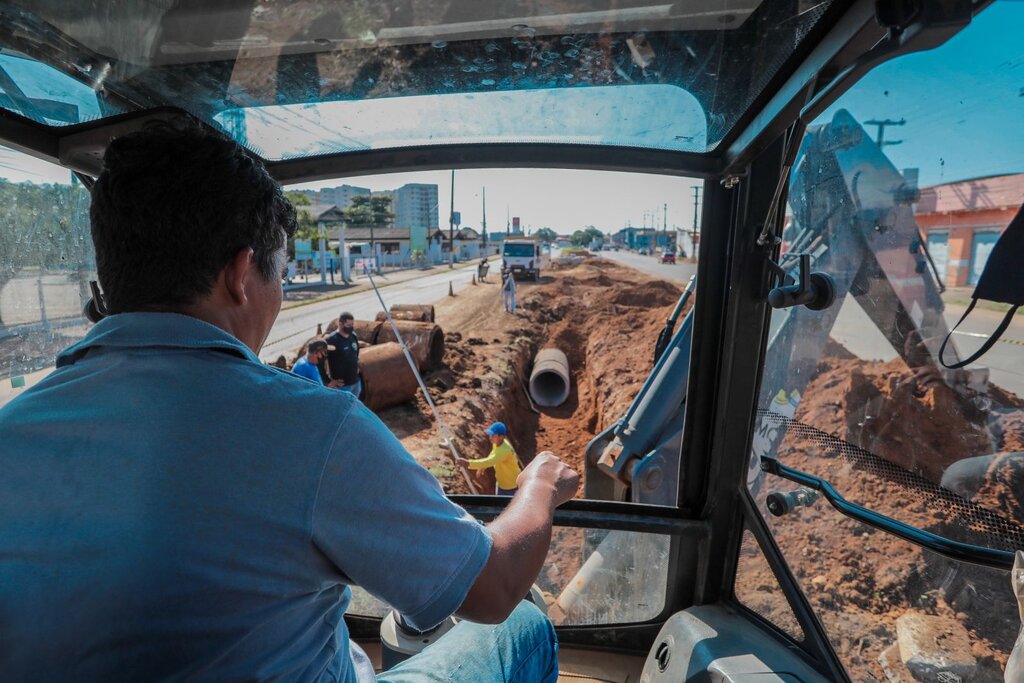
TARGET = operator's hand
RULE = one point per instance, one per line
(548, 470)
(336, 384)
(462, 462)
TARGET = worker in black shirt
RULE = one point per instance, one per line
(343, 361)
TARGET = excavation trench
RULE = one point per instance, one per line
(490, 359)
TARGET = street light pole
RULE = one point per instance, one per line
(451, 226)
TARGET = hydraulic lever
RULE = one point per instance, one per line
(814, 290)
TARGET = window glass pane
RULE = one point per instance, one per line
(42, 93)
(855, 393)
(884, 601)
(899, 193)
(46, 262)
(757, 588)
(433, 70)
(600, 294)
(590, 577)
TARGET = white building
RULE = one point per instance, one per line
(416, 207)
(340, 196)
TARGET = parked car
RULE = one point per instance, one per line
(668, 257)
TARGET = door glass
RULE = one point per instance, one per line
(46, 262)
(590, 577)
(854, 394)
(757, 589)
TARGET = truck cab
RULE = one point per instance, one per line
(522, 257)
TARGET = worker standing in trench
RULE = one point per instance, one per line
(502, 458)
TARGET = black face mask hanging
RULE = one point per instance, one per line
(1001, 281)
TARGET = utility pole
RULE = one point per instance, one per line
(484, 222)
(693, 231)
(664, 223)
(451, 226)
(881, 124)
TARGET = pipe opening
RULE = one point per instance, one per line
(549, 389)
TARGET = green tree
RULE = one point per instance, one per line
(369, 211)
(547, 235)
(305, 228)
(583, 238)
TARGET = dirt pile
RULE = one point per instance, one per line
(861, 581)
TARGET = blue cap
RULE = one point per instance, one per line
(497, 429)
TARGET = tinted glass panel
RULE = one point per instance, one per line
(757, 588)
(893, 205)
(253, 66)
(46, 262)
(589, 577)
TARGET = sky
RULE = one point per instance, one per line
(963, 104)
(563, 200)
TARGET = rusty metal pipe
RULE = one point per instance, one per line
(420, 312)
(425, 341)
(367, 330)
(387, 378)
(549, 381)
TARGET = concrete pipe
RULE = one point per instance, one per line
(387, 378)
(423, 313)
(425, 341)
(549, 381)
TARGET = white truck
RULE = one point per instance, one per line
(522, 257)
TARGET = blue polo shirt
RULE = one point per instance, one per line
(161, 517)
(303, 368)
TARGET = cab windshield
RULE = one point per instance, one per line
(518, 250)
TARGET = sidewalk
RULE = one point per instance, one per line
(302, 296)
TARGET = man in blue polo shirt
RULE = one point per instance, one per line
(307, 365)
(162, 518)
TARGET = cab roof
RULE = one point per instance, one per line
(301, 79)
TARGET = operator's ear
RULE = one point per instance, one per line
(237, 274)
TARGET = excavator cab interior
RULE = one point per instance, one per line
(803, 488)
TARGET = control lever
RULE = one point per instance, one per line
(814, 290)
(780, 503)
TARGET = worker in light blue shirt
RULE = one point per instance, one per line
(161, 518)
(308, 365)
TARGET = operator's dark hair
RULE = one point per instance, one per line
(172, 206)
(345, 316)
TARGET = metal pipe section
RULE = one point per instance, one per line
(423, 313)
(425, 341)
(549, 381)
(387, 378)
(367, 330)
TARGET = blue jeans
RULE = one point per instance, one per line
(510, 300)
(354, 389)
(522, 649)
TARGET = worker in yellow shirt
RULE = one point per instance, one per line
(502, 458)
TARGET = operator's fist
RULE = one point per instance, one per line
(548, 469)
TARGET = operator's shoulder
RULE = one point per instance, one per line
(289, 386)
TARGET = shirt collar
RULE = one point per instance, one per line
(167, 330)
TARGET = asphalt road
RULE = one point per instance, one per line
(680, 272)
(295, 325)
(855, 330)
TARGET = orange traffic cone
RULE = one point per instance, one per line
(474, 279)
(451, 292)
(319, 329)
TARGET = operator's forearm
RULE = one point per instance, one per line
(520, 537)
